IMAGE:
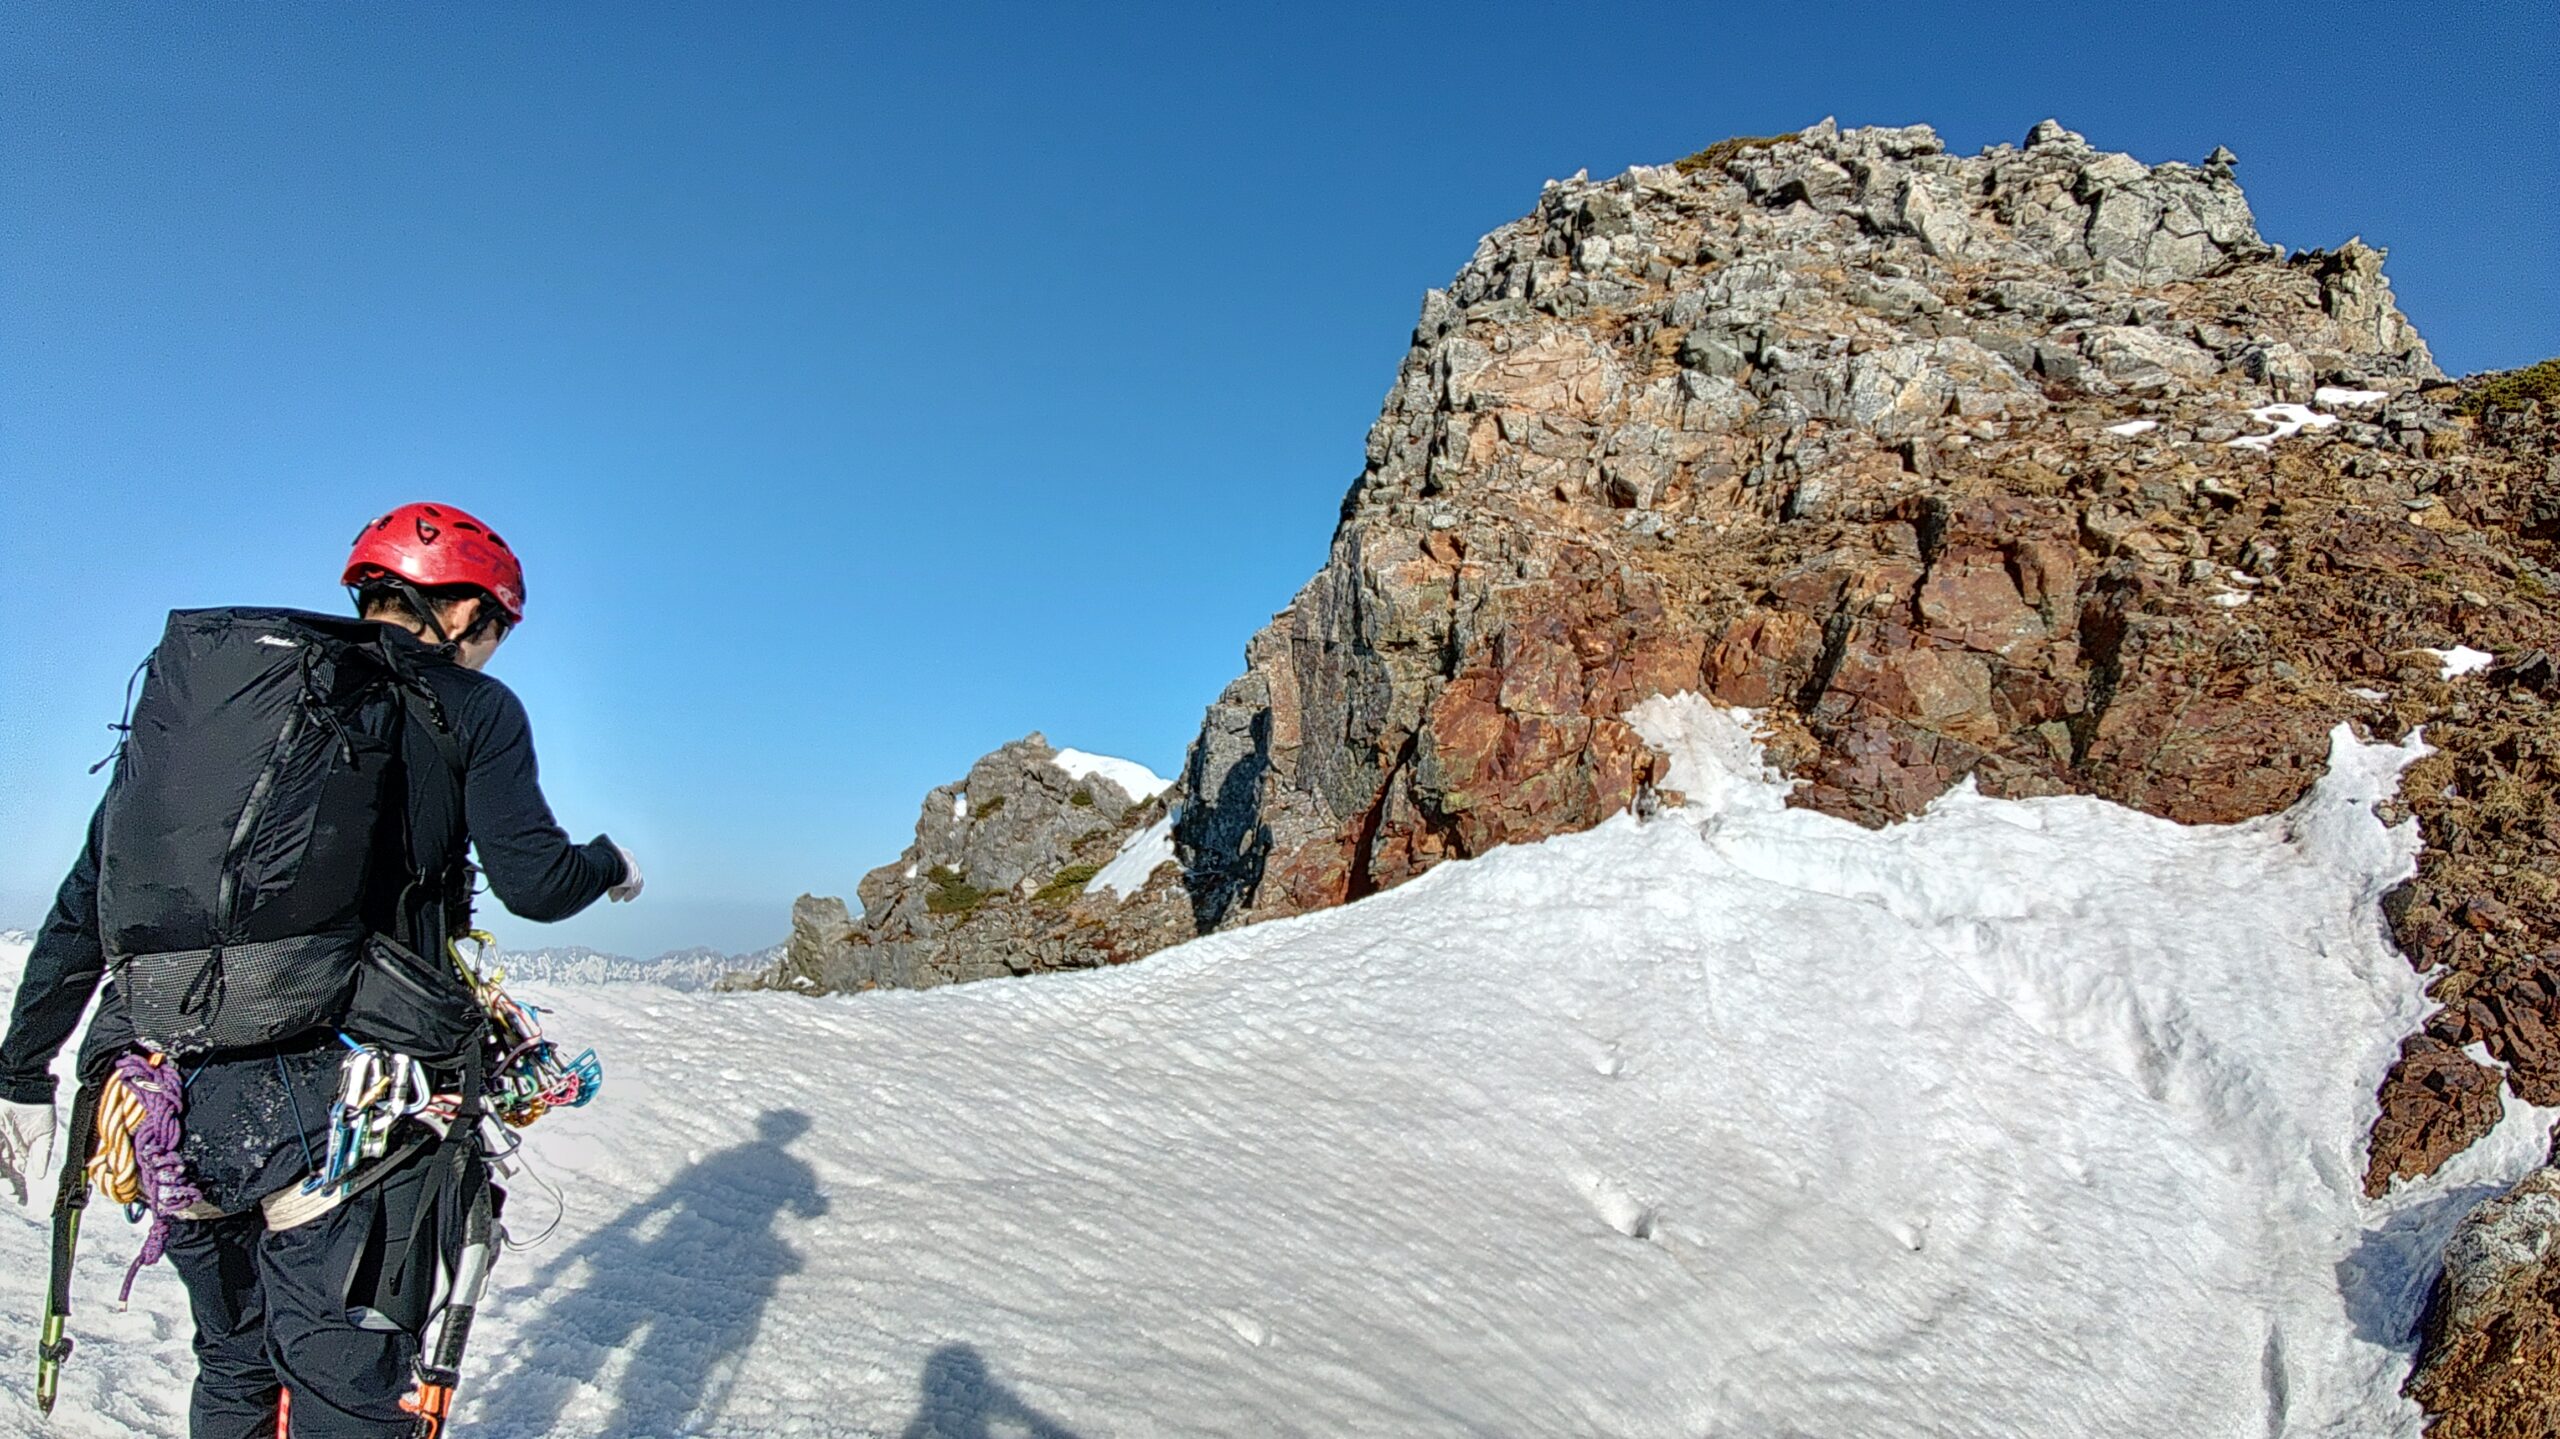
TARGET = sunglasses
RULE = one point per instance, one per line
(493, 620)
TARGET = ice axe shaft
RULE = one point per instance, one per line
(53, 1346)
(441, 1372)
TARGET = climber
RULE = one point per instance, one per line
(269, 890)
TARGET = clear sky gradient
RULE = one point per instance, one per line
(865, 387)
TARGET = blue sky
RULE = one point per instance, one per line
(867, 387)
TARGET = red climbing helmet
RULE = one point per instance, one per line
(439, 545)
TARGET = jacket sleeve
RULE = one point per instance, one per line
(62, 973)
(532, 867)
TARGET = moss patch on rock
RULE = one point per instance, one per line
(1714, 156)
(951, 892)
(2515, 389)
(1066, 884)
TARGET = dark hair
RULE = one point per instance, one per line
(385, 597)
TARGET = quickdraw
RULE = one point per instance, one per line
(377, 1088)
(527, 1076)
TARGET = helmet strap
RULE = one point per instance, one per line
(418, 605)
(487, 614)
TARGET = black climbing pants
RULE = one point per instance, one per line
(270, 1311)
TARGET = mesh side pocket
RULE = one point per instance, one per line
(202, 1001)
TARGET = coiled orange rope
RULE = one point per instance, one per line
(113, 1169)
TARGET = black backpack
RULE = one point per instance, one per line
(255, 784)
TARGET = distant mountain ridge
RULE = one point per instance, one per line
(700, 967)
(687, 969)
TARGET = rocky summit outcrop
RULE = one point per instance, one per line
(1011, 872)
(2490, 1368)
(2037, 468)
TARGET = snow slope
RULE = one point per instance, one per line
(2019, 1118)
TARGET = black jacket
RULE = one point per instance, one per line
(530, 863)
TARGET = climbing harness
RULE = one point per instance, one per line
(141, 1119)
(130, 1124)
(378, 1088)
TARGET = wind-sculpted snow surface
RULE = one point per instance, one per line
(1537, 1144)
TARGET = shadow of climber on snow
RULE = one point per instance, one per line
(960, 1401)
(679, 1282)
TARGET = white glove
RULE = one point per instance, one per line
(629, 889)
(26, 1145)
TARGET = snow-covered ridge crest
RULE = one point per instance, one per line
(684, 969)
(1134, 779)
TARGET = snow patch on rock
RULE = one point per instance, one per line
(2463, 660)
(1714, 750)
(2289, 421)
(1134, 779)
(1140, 856)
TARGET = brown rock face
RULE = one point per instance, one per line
(2439, 1101)
(2490, 1366)
(1956, 467)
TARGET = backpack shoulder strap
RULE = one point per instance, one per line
(420, 707)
